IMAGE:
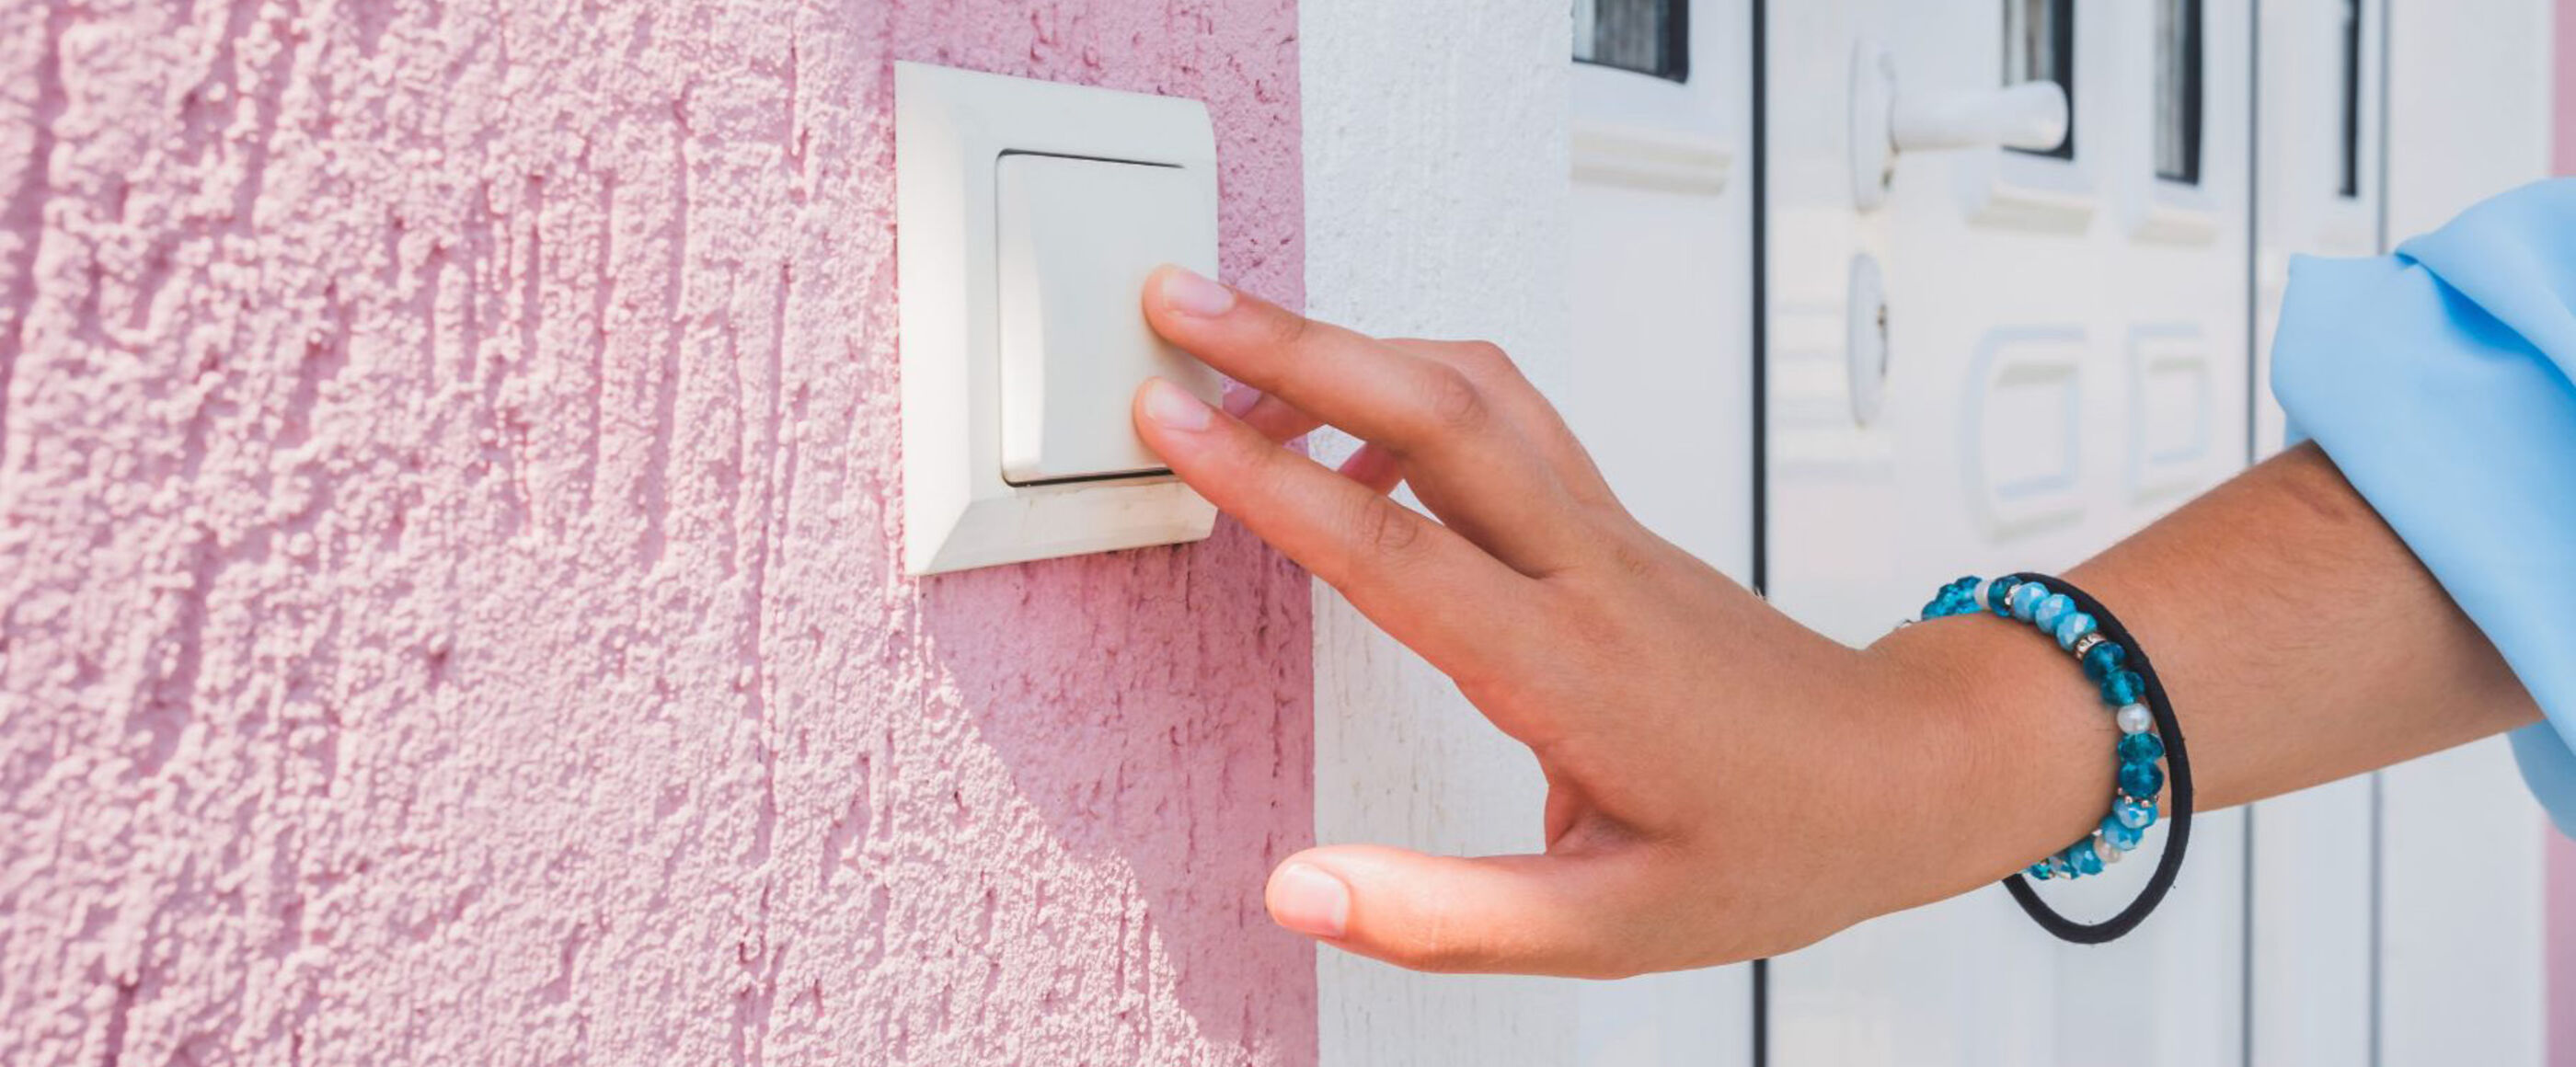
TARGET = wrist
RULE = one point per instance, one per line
(2015, 751)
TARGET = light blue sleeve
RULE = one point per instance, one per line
(2438, 380)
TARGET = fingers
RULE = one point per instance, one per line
(1373, 467)
(1369, 465)
(1275, 418)
(1517, 914)
(1471, 465)
(1421, 582)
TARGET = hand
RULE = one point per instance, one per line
(1722, 783)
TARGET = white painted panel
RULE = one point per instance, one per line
(2311, 969)
(2302, 209)
(1660, 384)
(2461, 916)
(2311, 994)
(1659, 388)
(2461, 977)
(2066, 361)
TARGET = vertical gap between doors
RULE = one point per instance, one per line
(2378, 793)
(1760, 198)
(2253, 404)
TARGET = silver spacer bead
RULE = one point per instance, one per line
(2085, 643)
(1986, 593)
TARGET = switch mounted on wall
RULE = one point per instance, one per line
(1029, 214)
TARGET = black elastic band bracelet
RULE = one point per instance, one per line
(2177, 807)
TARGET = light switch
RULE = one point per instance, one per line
(1077, 238)
(1027, 215)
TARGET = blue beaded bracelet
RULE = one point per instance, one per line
(2150, 741)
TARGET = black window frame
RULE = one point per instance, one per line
(2194, 111)
(1675, 46)
(2061, 47)
(2348, 171)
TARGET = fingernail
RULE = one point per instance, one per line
(1190, 294)
(1240, 399)
(1173, 407)
(1306, 899)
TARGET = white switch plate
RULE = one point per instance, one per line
(1078, 239)
(953, 129)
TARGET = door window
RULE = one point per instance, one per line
(1646, 36)
(2178, 90)
(2348, 163)
(2039, 46)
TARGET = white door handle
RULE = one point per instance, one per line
(1887, 119)
(2030, 115)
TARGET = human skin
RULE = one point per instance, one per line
(1722, 782)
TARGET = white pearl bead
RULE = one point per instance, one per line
(2134, 719)
(1986, 594)
(2103, 847)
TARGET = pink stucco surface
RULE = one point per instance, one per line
(449, 599)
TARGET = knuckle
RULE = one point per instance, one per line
(1288, 329)
(1450, 400)
(1491, 367)
(1633, 559)
(1486, 358)
(1384, 528)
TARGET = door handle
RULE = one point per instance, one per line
(2030, 115)
(1887, 120)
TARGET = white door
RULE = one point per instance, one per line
(2317, 192)
(1662, 377)
(1660, 382)
(2062, 357)
(2460, 977)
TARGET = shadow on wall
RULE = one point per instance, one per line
(1153, 711)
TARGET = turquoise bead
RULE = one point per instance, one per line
(2103, 659)
(2141, 780)
(2141, 748)
(2122, 835)
(1999, 596)
(2039, 872)
(1957, 598)
(2081, 856)
(2123, 688)
(2073, 625)
(2026, 598)
(2051, 610)
(2134, 814)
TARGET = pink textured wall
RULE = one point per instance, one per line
(449, 606)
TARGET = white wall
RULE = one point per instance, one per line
(1436, 183)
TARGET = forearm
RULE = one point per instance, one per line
(2298, 639)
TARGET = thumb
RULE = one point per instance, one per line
(1508, 914)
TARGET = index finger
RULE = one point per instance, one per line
(1462, 451)
(1461, 609)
